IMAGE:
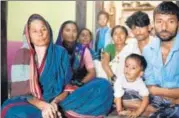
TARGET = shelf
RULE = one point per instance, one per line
(138, 8)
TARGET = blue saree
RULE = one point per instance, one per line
(95, 97)
(55, 75)
(91, 100)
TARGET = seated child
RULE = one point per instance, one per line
(131, 86)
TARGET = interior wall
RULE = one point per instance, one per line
(55, 12)
(90, 15)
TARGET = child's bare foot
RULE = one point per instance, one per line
(125, 112)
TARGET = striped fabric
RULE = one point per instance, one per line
(20, 73)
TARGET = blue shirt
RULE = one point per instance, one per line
(104, 38)
(159, 74)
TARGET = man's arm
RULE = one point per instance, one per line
(164, 92)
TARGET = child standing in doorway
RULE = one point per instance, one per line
(103, 37)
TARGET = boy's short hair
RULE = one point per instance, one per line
(103, 13)
(119, 26)
(139, 19)
(167, 7)
(138, 58)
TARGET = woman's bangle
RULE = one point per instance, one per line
(54, 101)
(113, 78)
(79, 84)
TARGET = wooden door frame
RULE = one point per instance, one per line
(4, 79)
(81, 13)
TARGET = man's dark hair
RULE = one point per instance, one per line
(140, 59)
(167, 7)
(139, 19)
(103, 13)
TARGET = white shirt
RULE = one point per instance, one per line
(122, 83)
(134, 42)
(117, 64)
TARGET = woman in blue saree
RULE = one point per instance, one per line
(44, 71)
(83, 72)
(37, 74)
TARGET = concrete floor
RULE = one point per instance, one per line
(114, 115)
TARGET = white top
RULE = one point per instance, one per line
(117, 64)
(134, 42)
(122, 83)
